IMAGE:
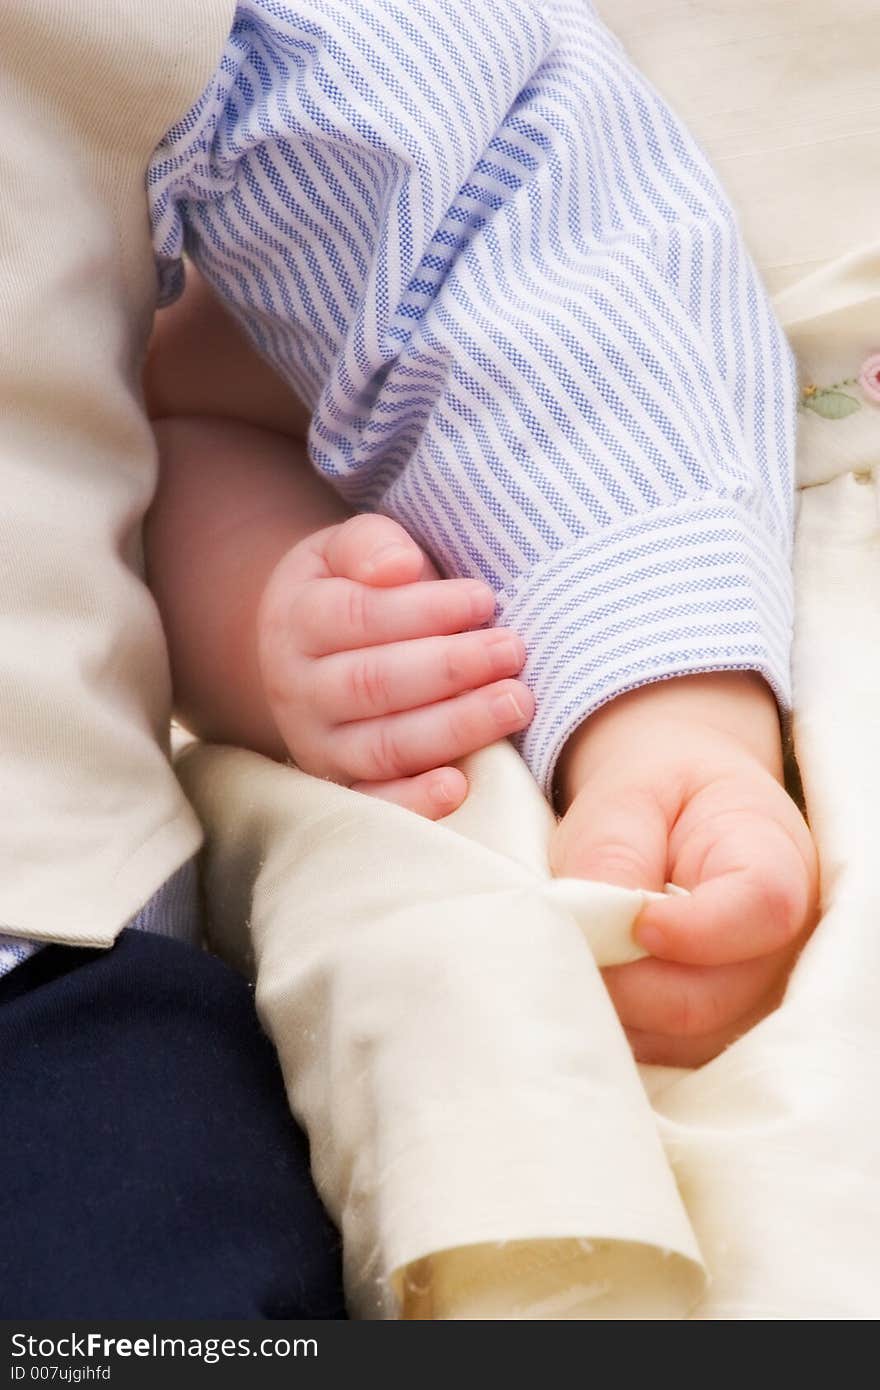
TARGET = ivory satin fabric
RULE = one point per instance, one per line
(479, 1130)
(447, 1040)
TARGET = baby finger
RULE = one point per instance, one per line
(336, 615)
(406, 675)
(686, 1001)
(433, 794)
(658, 1049)
(402, 745)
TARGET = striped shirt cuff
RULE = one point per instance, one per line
(704, 586)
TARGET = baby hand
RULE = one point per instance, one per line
(681, 782)
(372, 672)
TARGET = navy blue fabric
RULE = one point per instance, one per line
(150, 1166)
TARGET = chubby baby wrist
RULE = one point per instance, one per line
(733, 708)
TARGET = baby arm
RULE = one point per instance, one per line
(299, 631)
(681, 781)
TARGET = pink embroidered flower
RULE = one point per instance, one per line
(869, 377)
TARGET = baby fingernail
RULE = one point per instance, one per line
(482, 602)
(507, 709)
(441, 793)
(393, 551)
(651, 940)
(505, 653)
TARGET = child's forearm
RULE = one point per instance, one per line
(235, 492)
(232, 500)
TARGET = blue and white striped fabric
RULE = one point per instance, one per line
(483, 251)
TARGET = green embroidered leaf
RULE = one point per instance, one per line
(832, 405)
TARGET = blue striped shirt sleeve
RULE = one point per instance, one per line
(480, 247)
